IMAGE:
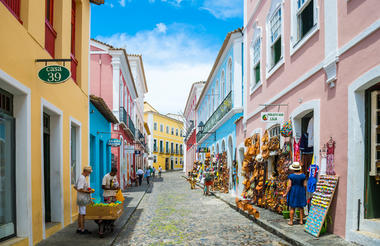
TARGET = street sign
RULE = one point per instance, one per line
(272, 117)
(114, 142)
(54, 74)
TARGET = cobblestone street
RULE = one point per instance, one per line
(171, 213)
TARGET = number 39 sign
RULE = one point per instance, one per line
(54, 74)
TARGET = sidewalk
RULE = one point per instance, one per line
(276, 224)
(68, 235)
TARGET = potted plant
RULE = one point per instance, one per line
(328, 220)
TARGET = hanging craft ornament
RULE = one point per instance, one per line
(286, 129)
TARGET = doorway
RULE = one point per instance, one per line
(172, 164)
(46, 151)
(7, 167)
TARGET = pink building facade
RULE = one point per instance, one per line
(112, 79)
(319, 61)
(191, 125)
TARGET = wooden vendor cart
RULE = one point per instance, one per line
(104, 216)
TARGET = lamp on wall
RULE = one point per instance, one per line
(201, 128)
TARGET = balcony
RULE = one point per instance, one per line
(127, 121)
(189, 129)
(219, 113)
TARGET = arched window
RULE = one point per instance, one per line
(229, 71)
(213, 100)
(223, 86)
(217, 94)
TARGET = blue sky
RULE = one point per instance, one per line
(178, 39)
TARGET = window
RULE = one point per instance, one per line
(181, 161)
(213, 100)
(13, 6)
(50, 33)
(74, 62)
(161, 128)
(176, 161)
(176, 132)
(256, 60)
(73, 153)
(375, 133)
(181, 134)
(161, 146)
(155, 126)
(305, 17)
(274, 131)
(155, 145)
(172, 147)
(167, 148)
(217, 93)
(223, 86)
(275, 38)
(154, 159)
(167, 129)
(181, 149)
(229, 74)
(172, 131)
(176, 149)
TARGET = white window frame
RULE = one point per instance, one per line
(257, 37)
(167, 129)
(274, 131)
(155, 126)
(230, 74)
(222, 86)
(161, 128)
(295, 41)
(162, 150)
(217, 93)
(271, 69)
(155, 149)
(374, 144)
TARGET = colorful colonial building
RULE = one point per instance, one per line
(40, 122)
(221, 103)
(166, 139)
(317, 60)
(190, 125)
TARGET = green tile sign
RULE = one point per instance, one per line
(54, 74)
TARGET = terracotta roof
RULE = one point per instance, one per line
(97, 2)
(101, 105)
(226, 40)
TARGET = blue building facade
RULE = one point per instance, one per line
(221, 102)
(101, 118)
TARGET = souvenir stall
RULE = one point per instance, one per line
(222, 174)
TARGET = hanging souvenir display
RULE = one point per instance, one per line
(287, 129)
(330, 157)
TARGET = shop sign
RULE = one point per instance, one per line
(54, 74)
(272, 117)
(129, 149)
(114, 142)
(203, 150)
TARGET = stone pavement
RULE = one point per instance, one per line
(67, 236)
(173, 214)
(276, 224)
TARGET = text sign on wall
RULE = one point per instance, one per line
(203, 150)
(114, 142)
(272, 117)
(129, 149)
(54, 74)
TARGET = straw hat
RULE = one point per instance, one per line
(295, 166)
(88, 169)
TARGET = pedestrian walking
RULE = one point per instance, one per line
(207, 182)
(154, 172)
(83, 198)
(147, 175)
(140, 174)
(296, 191)
(159, 171)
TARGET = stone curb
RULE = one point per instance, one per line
(262, 223)
(130, 216)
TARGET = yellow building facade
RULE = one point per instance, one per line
(166, 144)
(43, 127)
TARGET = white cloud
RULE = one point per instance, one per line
(173, 60)
(161, 27)
(122, 3)
(224, 9)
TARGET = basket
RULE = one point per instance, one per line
(104, 213)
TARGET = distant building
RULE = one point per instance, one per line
(166, 140)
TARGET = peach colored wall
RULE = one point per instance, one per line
(354, 16)
(333, 101)
(102, 72)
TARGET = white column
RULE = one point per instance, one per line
(116, 85)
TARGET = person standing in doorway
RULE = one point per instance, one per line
(147, 175)
(110, 186)
(83, 198)
(140, 174)
(296, 191)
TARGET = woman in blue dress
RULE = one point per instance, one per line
(296, 191)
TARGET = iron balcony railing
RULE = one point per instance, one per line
(189, 130)
(126, 119)
(218, 114)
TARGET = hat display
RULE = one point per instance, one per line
(295, 166)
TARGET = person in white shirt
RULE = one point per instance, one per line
(140, 174)
(83, 198)
(147, 174)
(110, 186)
